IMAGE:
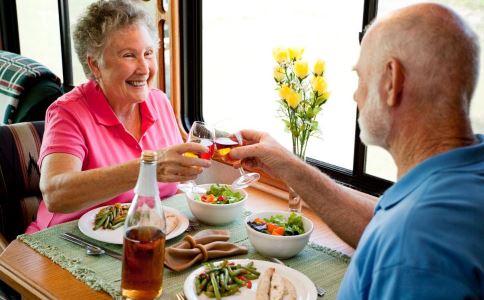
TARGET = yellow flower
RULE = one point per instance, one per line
(295, 53)
(319, 67)
(301, 69)
(279, 73)
(319, 85)
(290, 96)
(281, 55)
(326, 95)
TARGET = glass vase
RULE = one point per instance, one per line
(295, 201)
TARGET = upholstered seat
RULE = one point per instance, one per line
(19, 176)
(27, 86)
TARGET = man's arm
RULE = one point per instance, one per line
(346, 211)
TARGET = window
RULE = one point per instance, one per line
(237, 66)
(227, 71)
(39, 21)
(227, 65)
(39, 35)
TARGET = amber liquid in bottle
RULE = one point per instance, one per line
(144, 236)
(142, 274)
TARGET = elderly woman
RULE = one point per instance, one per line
(94, 134)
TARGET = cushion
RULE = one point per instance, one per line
(27, 86)
(19, 176)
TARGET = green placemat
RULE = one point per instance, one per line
(324, 266)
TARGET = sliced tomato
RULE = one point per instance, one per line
(278, 230)
(204, 198)
(271, 227)
(210, 198)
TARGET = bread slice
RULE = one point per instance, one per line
(272, 286)
(277, 287)
(171, 222)
(289, 290)
(264, 286)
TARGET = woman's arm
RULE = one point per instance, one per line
(66, 188)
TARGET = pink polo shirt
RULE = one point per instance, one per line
(83, 124)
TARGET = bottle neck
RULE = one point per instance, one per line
(147, 184)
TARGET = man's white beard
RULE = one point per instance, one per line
(374, 119)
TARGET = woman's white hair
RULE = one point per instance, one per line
(100, 19)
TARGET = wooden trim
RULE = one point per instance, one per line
(162, 18)
(174, 29)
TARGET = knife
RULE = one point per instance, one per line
(98, 249)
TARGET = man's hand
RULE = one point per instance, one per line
(261, 151)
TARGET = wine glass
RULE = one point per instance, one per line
(202, 134)
(224, 142)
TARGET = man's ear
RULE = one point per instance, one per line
(94, 66)
(393, 79)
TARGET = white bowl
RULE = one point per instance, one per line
(275, 245)
(216, 214)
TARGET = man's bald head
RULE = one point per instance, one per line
(438, 51)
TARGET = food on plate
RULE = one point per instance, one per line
(220, 194)
(278, 225)
(225, 279)
(273, 286)
(113, 216)
(171, 222)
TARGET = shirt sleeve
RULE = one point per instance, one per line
(404, 282)
(62, 134)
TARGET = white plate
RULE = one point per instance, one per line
(305, 288)
(86, 223)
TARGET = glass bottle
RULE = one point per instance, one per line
(144, 236)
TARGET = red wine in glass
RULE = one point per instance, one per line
(211, 149)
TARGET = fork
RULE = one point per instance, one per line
(180, 296)
(319, 290)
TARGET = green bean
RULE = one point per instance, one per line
(209, 294)
(224, 279)
(251, 276)
(215, 286)
(203, 283)
(251, 270)
(239, 281)
(236, 272)
(230, 292)
(197, 286)
(111, 217)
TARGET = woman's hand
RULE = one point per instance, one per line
(174, 167)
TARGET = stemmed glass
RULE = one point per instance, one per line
(202, 134)
(224, 142)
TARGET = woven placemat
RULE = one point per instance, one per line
(324, 266)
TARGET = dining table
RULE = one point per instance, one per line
(36, 276)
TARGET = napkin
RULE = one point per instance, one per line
(205, 245)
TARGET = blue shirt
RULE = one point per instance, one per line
(426, 238)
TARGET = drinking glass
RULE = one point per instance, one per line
(224, 142)
(202, 134)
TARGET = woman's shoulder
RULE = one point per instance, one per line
(74, 97)
(73, 101)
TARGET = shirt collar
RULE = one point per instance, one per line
(451, 159)
(104, 114)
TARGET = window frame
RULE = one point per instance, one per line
(191, 95)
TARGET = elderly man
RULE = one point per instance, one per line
(424, 238)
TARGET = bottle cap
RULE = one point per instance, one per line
(149, 155)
